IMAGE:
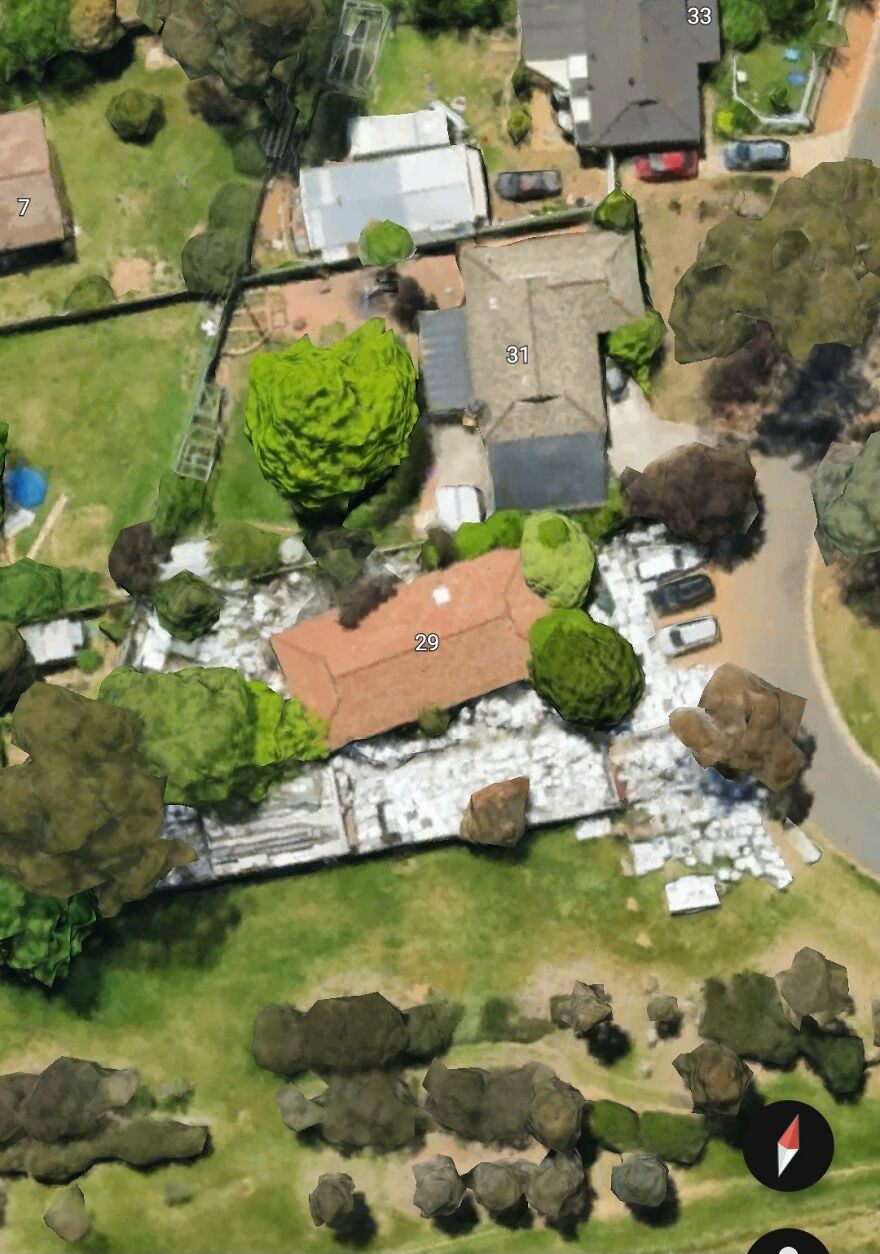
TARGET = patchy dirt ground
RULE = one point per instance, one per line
(134, 275)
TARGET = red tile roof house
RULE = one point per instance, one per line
(370, 679)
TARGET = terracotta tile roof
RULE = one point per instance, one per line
(368, 680)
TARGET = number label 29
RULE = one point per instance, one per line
(427, 642)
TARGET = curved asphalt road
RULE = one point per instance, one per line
(766, 626)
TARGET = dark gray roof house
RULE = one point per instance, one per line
(631, 68)
(542, 416)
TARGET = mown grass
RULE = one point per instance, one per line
(849, 648)
(101, 409)
(172, 985)
(129, 201)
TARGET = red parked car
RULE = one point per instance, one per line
(660, 167)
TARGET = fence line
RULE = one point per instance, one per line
(803, 118)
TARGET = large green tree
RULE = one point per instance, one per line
(85, 810)
(327, 423)
(810, 269)
(213, 735)
(586, 670)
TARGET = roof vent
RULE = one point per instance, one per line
(441, 595)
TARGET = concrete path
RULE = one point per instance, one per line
(766, 620)
(865, 134)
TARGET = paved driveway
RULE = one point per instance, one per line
(765, 620)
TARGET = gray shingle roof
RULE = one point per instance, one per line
(553, 295)
(643, 64)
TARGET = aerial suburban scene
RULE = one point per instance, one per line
(439, 626)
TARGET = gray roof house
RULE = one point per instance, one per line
(631, 68)
(542, 416)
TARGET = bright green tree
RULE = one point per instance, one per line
(180, 505)
(40, 935)
(384, 244)
(519, 123)
(213, 735)
(32, 592)
(501, 530)
(326, 423)
(587, 671)
(616, 212)
(557, 559)
(635, 346)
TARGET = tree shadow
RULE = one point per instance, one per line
(567, 1225)
(186, 929)
(460, 1222)
(818, 399)
(608, 1043)
(361, 1228)
(660, 1216)
(795, 802)
(516, 1217)
(731, 1129)
(732, 550)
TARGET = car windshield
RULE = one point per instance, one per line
(657, 163)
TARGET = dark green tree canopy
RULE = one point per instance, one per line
(136, 116)
(846, 494)
(587, 672)
(16, 667)
(810, 269)
(240, 40)
(186, 606)
(84, 811)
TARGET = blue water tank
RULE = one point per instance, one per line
(26, 487)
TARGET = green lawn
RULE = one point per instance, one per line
(171, 987)
(767, 68)
(129, 202)
(238, 489)
(101, 409)
(850, 652)
(416, 68)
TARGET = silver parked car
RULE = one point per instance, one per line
(681, 638)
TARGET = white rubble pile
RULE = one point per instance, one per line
(403, 788)
(694, 816)
(409, 790)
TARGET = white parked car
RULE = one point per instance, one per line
(666, 560)
(681, 638)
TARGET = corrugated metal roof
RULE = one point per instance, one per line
(445, 372)
(397, 132)
(549, 472)
(433, 193)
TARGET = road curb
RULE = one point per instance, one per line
(821, 680)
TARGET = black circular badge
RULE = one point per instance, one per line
(788, 1146)
(788, 1241)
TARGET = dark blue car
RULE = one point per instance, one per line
(757, 154)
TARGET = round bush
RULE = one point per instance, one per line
(519, 124)
(557, 559)
(136, 116)
(91, 292)
(587, 671)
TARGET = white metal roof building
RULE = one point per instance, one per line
(437, 193)
(397, 132)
